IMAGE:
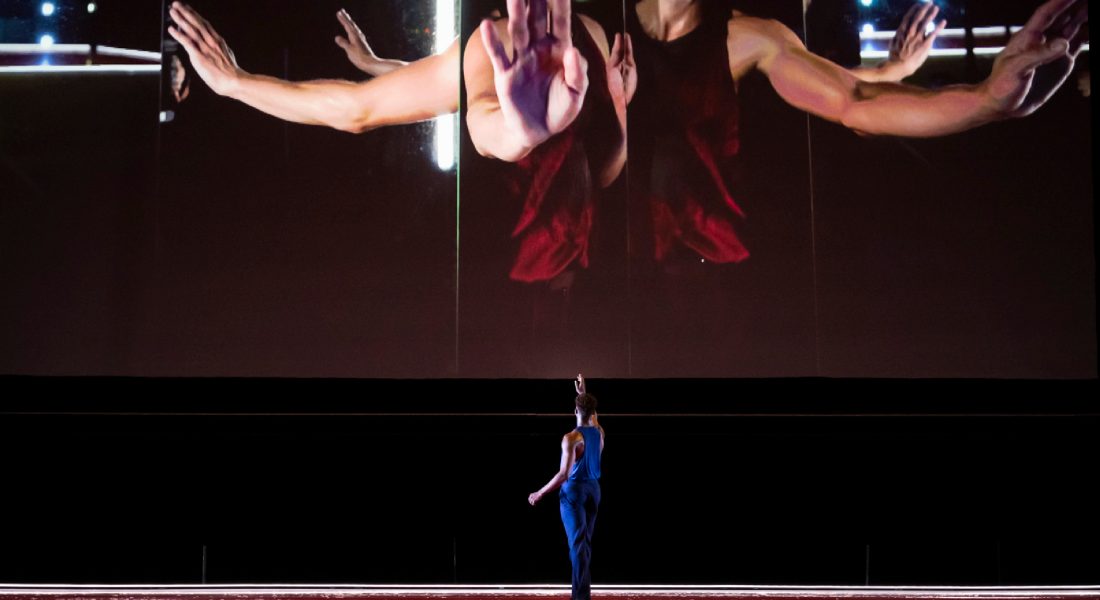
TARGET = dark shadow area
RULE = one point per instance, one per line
(976, 496)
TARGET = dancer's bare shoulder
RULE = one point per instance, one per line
(750, 40)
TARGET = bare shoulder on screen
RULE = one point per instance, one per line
(750, 39)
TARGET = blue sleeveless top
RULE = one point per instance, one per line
(588, 467)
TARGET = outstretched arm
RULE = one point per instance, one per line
(910, 47)
(422, 90)
(525, 81)
(1032, 66)
(568, 447)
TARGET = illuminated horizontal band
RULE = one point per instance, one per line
(81, 69)
(756, 591)
(989, 51)
(979, 32)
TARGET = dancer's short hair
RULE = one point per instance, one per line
(587, 404)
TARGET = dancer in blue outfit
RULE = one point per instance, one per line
(579, 480)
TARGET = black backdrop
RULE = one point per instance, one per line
(797, 481)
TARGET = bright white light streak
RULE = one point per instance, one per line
(865, 2)
(37, 48)
(979, 32)
(989, 31)
(446, 125)
(82, 69)
(48, 8)
(128, 53)
(544, 590)
(867, 52)
(445, 132)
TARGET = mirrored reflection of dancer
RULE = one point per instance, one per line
(704, 306)
(521, 97)
(400, 93)
(426, 88)
(359, 51)
(579, 496)
(546, 93)
(528, 82)
(545, 90)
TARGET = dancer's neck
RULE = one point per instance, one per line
(667, 20)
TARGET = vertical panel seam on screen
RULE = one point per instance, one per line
(458, 189)
(149, 290)
(629, 232)
(813, 215)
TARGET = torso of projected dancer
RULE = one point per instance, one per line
(555, 184)
(685, 144)
(579, 496)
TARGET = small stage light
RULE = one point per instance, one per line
(46, 40)
(48, 9)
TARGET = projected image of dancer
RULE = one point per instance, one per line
(399, 92)
(553, 103)
(579, 480)
(717, 290)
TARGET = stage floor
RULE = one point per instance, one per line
(471, 592)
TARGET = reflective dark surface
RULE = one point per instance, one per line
(287, 249)
(752, 241)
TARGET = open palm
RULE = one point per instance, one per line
(541, 85)
(1038, 58)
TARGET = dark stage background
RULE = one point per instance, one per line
(288, 481)
(228, 244)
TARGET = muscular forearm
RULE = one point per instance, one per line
(892, 109)
(421, 90)
(819, 87)
(328, 102)
(555, 482)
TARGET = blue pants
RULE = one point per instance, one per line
(579, 501)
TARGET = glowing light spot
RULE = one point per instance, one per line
(446, 127)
